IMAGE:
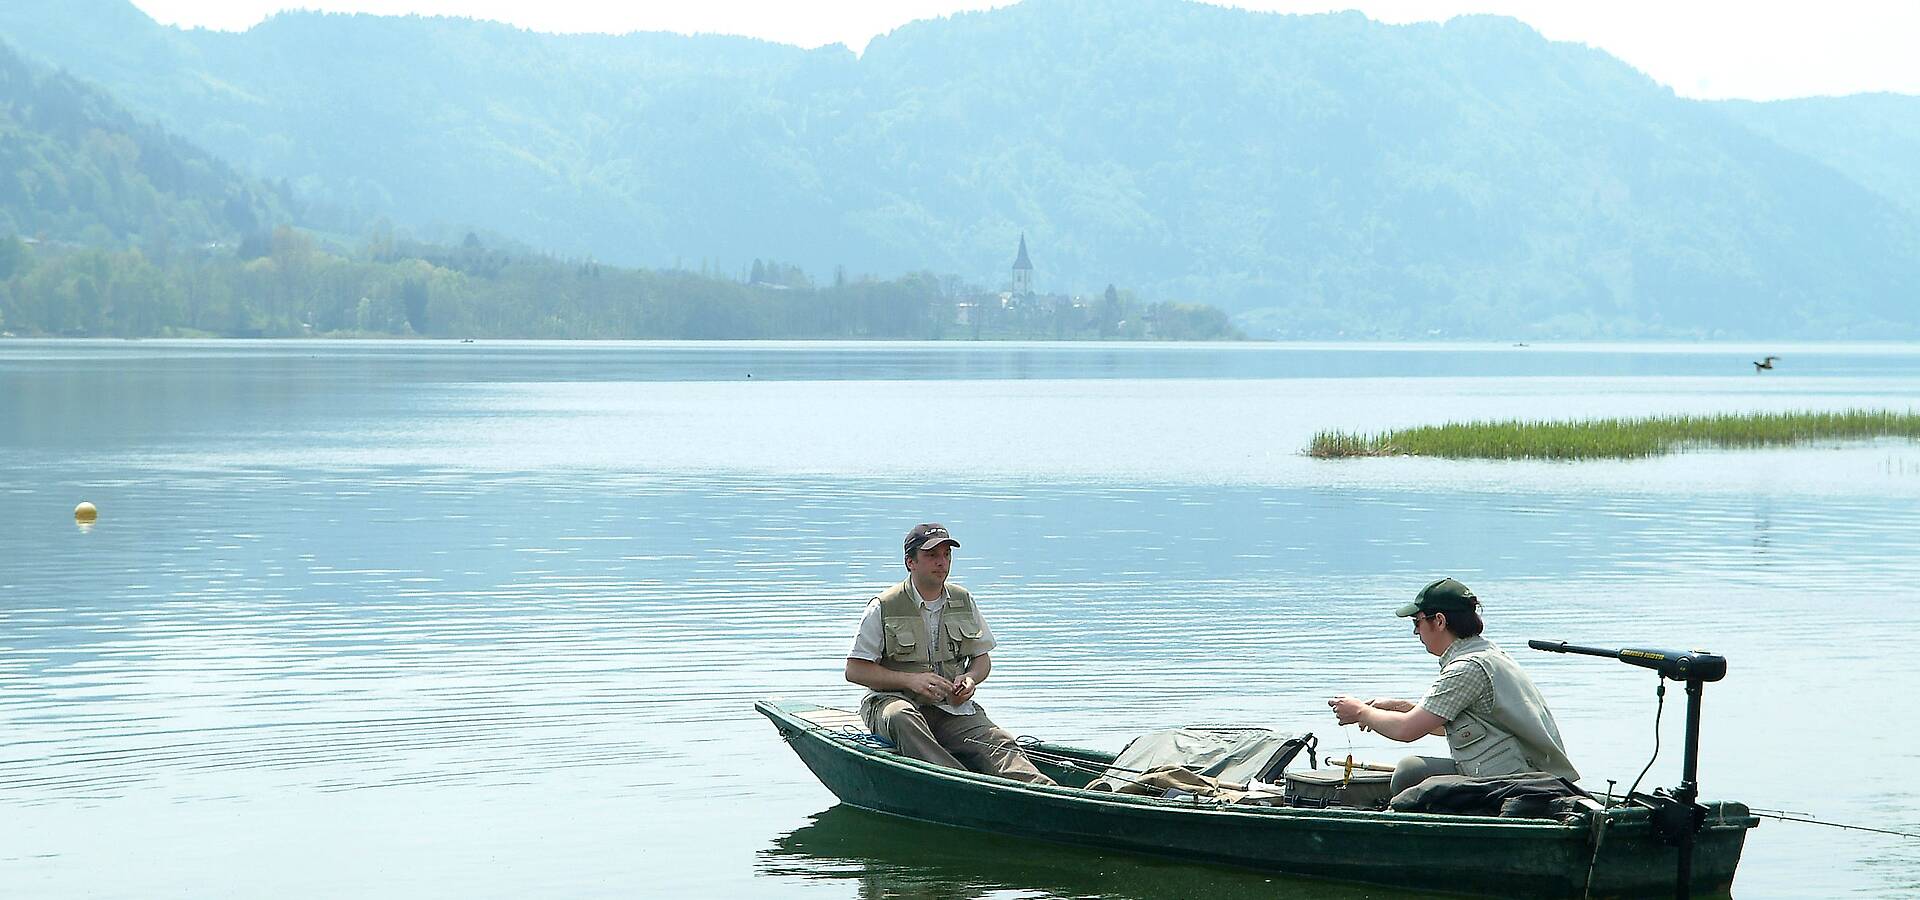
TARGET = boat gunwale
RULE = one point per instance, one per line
(782, 713)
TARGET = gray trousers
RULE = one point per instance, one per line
(958, 742)
(1415, 769)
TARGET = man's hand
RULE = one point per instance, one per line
(1398, 720)
(1348, 710)
(963, 689)
(932, 688)
(926, 687)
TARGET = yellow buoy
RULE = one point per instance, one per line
(85, 512)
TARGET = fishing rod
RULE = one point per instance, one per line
(856, 735)
(1106, 771)
(1067, 761)
(1052, 757)
(1682, 816)
(1786, 818)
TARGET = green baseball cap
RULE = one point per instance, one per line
(1445, 595)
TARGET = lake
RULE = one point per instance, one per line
(406, 619)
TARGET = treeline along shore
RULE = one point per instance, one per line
(286, 284)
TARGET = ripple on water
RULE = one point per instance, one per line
(560, 640)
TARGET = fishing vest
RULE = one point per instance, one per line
(908, 647)
(1519, 735)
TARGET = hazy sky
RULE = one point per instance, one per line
(1754, 49)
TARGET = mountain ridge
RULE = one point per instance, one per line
(1322, 174)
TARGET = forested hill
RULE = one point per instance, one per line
(110, 226)
(1872, 138)
(1322, 174)
(76, 166)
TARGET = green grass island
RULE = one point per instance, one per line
(1618, 438)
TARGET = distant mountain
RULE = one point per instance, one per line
(1873, 139)
(76, 166)
(1322, 174)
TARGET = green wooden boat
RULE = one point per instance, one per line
(1609, 852)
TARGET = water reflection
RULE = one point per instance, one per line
(545, 584)
(886, 858)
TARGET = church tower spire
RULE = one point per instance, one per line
(1022, 270)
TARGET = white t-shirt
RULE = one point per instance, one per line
(870, 641)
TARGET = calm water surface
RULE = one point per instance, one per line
(432, 619)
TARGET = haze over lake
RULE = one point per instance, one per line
(440, 619)
(485, 405)
(1315, 176)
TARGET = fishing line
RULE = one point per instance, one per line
(1782, 818)
(1348, 737)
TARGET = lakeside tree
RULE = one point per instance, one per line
(76, 166)
(285, 284)
(1332, 176)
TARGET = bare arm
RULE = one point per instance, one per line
(1404, 725)
(1406, 706)
(874, 676)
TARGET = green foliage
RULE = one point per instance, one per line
(75, 166)
(1617, 438)
(413, 299)
(1320, 175)
(292, 287)
(13, 255)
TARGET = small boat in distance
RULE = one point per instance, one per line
(1610, 851)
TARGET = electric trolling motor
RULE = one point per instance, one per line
(1682, 816)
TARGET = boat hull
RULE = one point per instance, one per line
(1465, 854)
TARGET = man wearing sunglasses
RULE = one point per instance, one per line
(1495, 721)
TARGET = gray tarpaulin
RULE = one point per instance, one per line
(1228, 755)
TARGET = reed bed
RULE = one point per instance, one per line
(1618, 438)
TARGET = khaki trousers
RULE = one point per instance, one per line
(1414, 769)
(958, 742)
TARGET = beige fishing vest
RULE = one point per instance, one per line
(909, 648)
(1519, 736)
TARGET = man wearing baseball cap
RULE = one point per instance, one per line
(921, 652)
(1495, 721)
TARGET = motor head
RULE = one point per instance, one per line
(1679, 665)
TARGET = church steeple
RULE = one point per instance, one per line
(1022, 270)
